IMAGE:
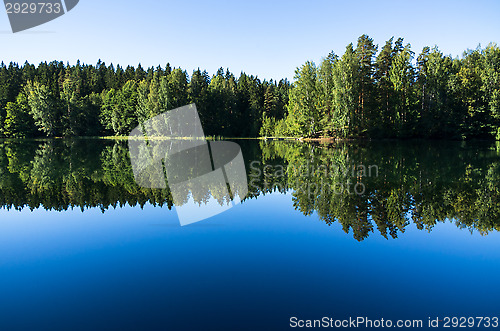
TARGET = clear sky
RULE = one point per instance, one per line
(265, 38)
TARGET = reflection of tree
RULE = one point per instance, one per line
(58, 175)
(417, 183)
(423, 184)
(62, 174)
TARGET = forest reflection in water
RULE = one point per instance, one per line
(368, 187)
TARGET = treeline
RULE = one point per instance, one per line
(55, 99)
(394, 93)
(366, 92)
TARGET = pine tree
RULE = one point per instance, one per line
(74, 105)
(173, 91)
(326, 93)
(346, 94)
(142, 112)
(365, 52)
(402, 77)
(382, 118)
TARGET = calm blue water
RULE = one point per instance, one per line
(250, 268)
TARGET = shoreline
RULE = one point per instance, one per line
(325, 140)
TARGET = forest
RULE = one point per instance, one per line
(392, 93)
(58, 100)
(366, 92)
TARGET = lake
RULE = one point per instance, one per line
(400, 231)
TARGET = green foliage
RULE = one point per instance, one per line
(401, 75)
(365, 53)
(87, 100)
(358, 95)
(42, 107)
(74, 104)
(346, 92)
(271, 127)
(361, 93)
(173, 90)
(326, 93)
(123, 115)
(304, 111)
(18, 122)
(118, 110)
(267, 128)
(384, 92)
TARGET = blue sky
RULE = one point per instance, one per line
(265, 38)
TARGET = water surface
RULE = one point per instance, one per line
(377, 229)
